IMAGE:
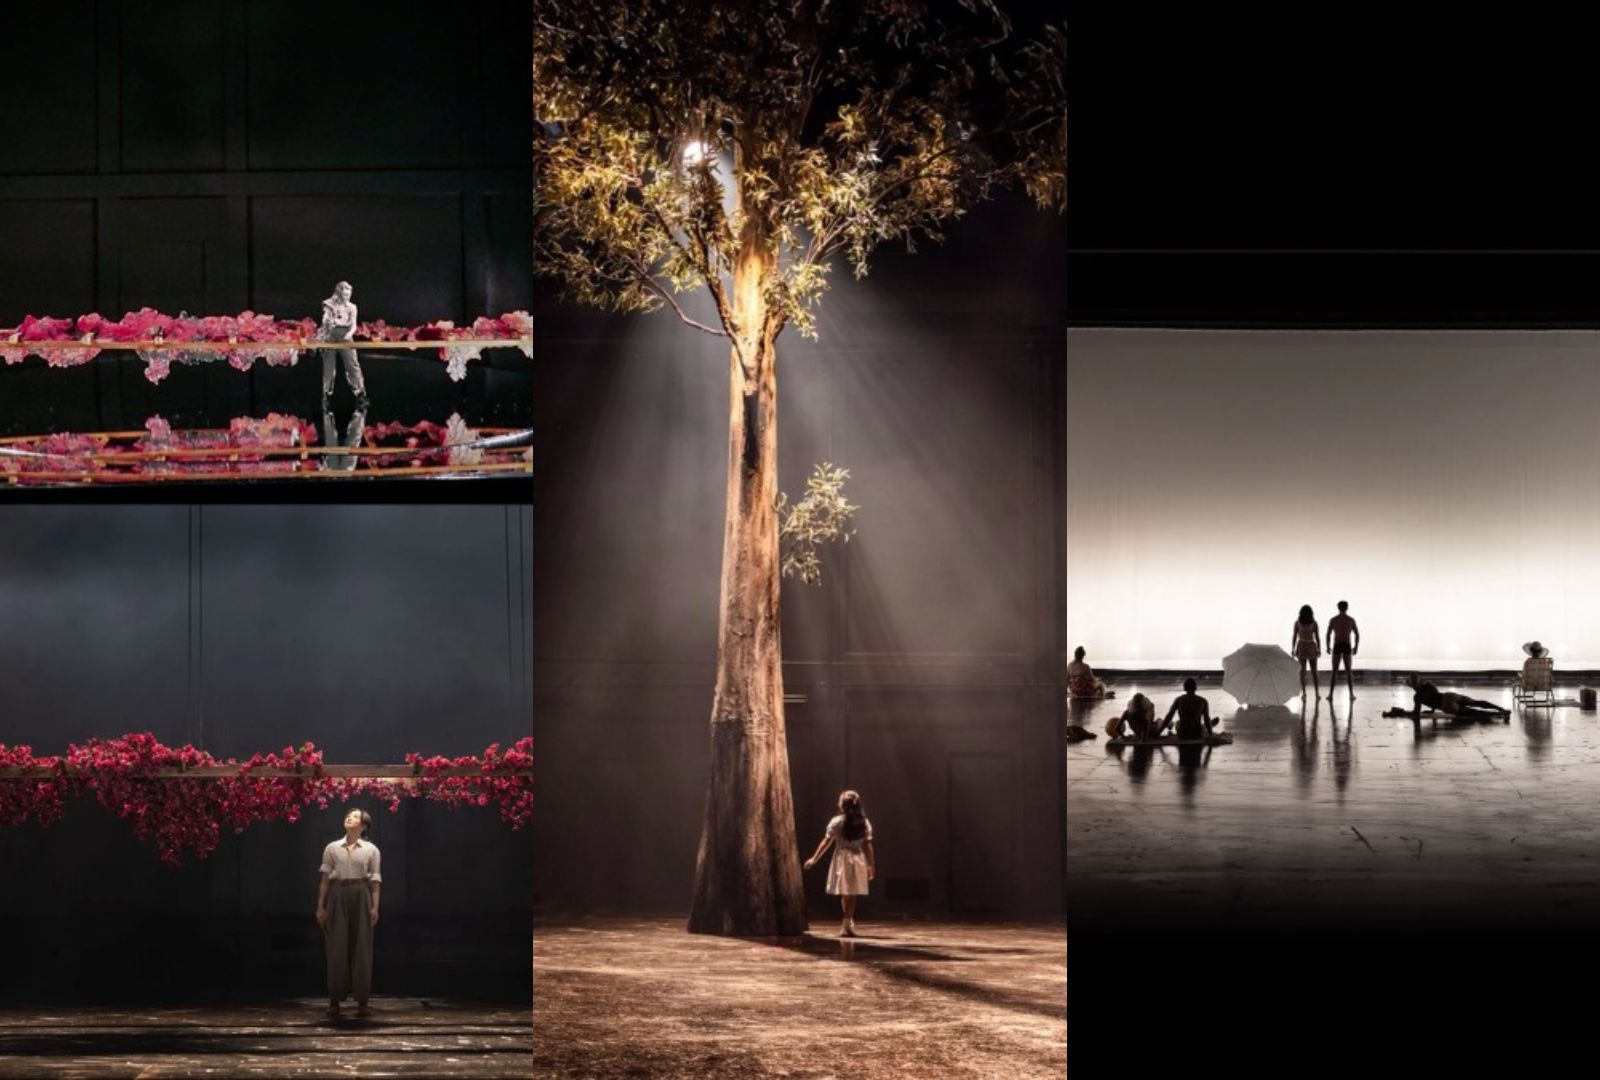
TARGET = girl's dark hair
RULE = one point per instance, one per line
(855, 822)
(366, 818)
(1077, 654)
(1305, 614)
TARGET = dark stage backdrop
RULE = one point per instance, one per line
(926, 669)
(218, 155)
(369, 630)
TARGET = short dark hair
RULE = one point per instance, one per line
(1189, 684)
(1078, 652)
(366, 818)
(1343, 605)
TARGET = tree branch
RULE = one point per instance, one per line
(650, 282)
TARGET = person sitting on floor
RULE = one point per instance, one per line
(1138, 721)
(1081, 681)
(1194, 714)
(1427, 695)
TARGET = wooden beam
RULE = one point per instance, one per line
(11, 440)
(298, 345)
(206, 772)
(235, 453)
(353, 476)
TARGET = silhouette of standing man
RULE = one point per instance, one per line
(1340, 630)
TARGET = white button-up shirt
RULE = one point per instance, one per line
(341, 862)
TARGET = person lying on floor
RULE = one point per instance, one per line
(1427, 695)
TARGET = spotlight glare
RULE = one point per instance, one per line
(695, 153)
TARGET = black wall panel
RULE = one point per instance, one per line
(171, 254)
(327, 82)
(301, 245)
(171, 84)
(49, 260)
(47, 113)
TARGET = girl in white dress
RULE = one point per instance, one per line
(854, 864)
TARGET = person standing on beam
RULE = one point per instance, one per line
(339, 324)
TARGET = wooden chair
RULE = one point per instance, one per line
(1536, 682)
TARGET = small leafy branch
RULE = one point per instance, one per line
(822, 516)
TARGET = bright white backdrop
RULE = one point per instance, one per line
(1446, 484)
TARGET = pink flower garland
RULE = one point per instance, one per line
(183, 815)
(28, 459)
(260, 337)
(274, 431)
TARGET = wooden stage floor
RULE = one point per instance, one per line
(405, 1037)
(621, 997)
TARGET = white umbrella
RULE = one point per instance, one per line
(1260, 675)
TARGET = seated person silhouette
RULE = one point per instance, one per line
(1193, 712)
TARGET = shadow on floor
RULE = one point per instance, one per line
(903, 963)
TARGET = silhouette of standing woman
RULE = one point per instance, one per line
(1307, 647)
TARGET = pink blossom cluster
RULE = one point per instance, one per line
(425, 437)
(273, 431)
(187, 816)
(514, 324)
(513, 793)
(62, 451)
(72, 453)
(275, 341)
(24, 799)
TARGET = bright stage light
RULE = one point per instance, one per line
(1214, 544)
(695, 153)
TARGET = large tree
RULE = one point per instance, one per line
(739, 147)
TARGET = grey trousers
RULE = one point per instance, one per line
(352, 437)
(348, 936)
(352, 371)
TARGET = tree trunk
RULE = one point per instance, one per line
(747, 874)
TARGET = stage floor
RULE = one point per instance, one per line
(642, 997)
(1338, 810)
(405, 1037)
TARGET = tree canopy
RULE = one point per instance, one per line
(679, 136)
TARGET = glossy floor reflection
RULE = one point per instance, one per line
(1336, 808)
(112, 393)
